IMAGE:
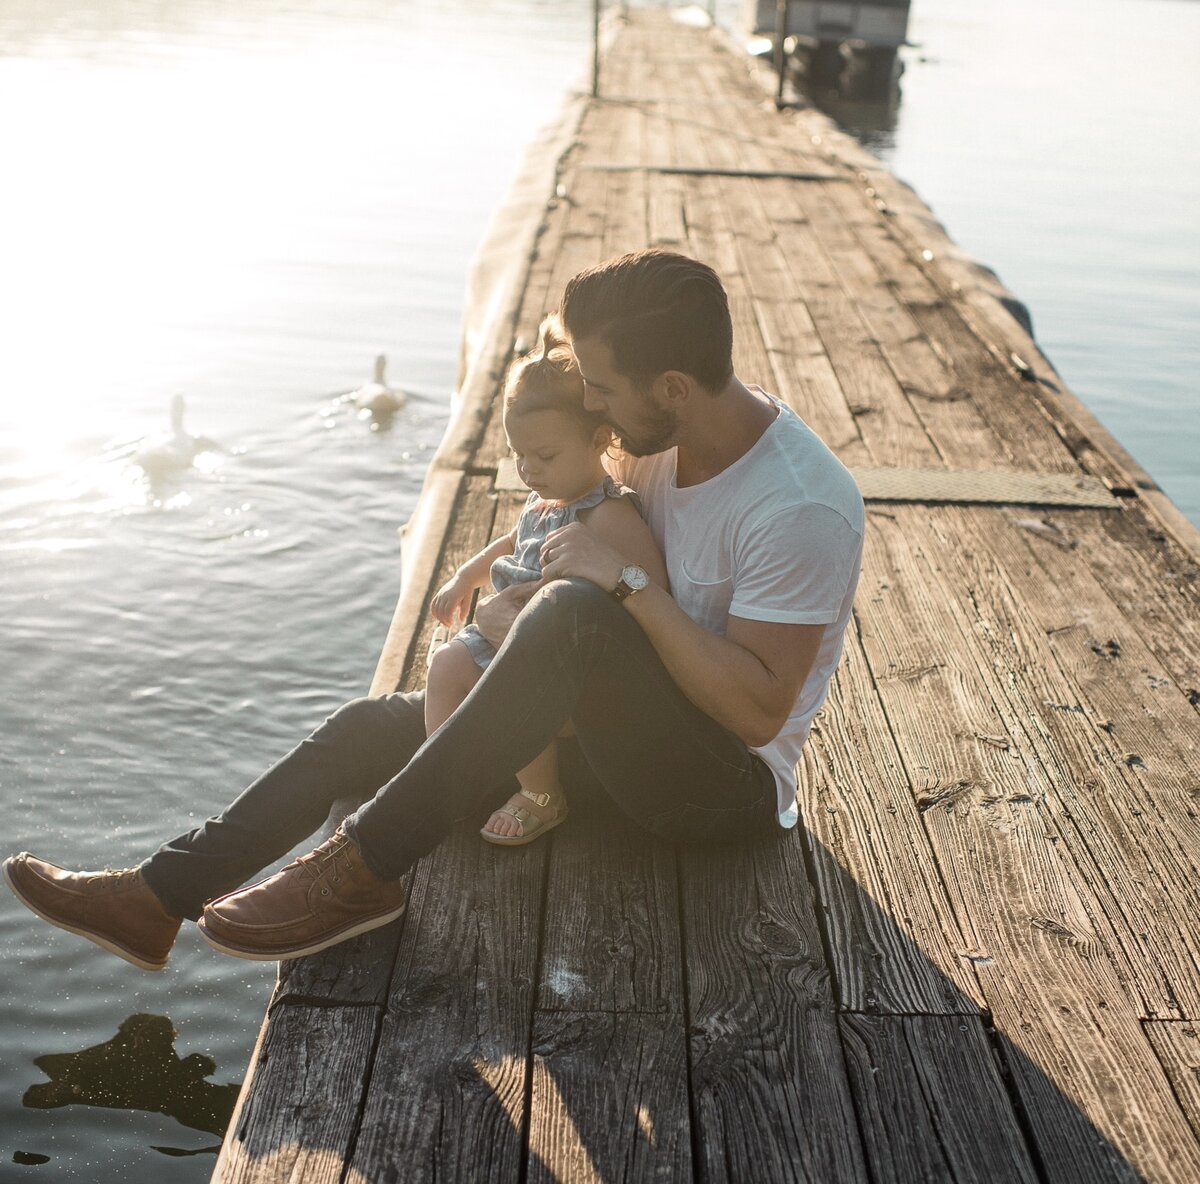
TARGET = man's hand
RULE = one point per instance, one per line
(452, 601)
(495, 614)
(573, 550)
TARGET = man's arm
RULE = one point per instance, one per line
(620, 526)
(747, 681)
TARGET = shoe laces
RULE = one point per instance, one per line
(324, 858)
(120, 875)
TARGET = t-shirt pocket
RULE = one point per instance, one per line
(705, 594)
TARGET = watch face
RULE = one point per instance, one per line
(635, 577)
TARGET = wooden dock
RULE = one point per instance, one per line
(978, 957)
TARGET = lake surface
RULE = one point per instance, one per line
(243, 204)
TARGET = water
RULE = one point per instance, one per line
(243, 204)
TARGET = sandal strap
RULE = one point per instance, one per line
(539, 799)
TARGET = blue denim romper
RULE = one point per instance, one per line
(523, 566)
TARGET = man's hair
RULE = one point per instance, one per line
(656, 311)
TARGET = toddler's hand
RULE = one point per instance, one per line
(495, 614)
(452, 601)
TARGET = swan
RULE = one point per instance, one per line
(158, 456)
(376, 396)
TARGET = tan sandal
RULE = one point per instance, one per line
(523, 816)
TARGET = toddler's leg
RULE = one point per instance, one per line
(539, 805)
(452, 674)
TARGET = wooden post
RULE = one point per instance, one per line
(781, 14)
(595, 48)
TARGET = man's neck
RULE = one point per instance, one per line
(719, 430)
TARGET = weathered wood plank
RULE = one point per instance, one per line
(1079, 1059)
(1152, 581)
(893, 936)
(804, 378)
(886, 419)
(1177, 1043)
(609, 1099)
(611, 940)
(299, 1117)
(794, 357)
(448, 1085)
(932, 1103)
(1000, 396)
(771, 1098)
(470, 954)
(1082, 708)
(908, 305)
(626, 208)
(667, 226)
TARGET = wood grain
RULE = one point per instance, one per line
(298, 1117)
(770, 1089)
(609, 1099)
(448, 1085)
(932, 1101)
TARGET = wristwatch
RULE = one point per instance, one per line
(633, 579)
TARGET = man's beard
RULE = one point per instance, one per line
(655, 434)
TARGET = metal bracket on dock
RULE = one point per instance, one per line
(985, 488)
(704, 171)
(1001, 487)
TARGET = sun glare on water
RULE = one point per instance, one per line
(146, 212)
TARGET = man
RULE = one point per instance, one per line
(690, 707)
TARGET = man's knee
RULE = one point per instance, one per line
(573, 598)
(363, 719)
(567, 612)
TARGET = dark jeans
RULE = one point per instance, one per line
(573, 654)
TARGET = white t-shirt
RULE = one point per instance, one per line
(777, 536)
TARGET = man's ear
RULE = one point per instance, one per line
(675, 385)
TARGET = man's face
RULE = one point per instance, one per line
(644, 421)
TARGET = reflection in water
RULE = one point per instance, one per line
(861, 93)
(138, 1069)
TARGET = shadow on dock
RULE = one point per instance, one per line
(678, 1020)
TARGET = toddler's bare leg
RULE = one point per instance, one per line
(542, 797)
(452, 674)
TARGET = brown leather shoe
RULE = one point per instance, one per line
(313, 903)
(116, 909)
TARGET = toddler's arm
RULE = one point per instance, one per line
(453, 599)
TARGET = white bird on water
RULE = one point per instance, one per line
(160, 456)
(376, 396)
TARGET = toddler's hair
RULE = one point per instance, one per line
(547, 379)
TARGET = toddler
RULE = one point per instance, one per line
(559, 447)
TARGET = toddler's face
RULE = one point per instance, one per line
(556, 455)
